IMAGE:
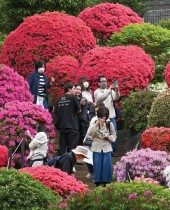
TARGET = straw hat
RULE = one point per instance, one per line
(41, 137)
(80, 150)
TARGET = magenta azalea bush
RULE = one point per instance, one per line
(44, 36)
(167, 74)
(130, 65)
(107, 18)
(63, 69)
(144, 162)
(56, 179)
(17, 116)
(12, 86)
(3, 156)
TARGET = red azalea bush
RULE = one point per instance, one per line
(13, 86)
(107, 18)
(63, 69)
(156, 138)
(17, 116)
(3, 156)
(130, 65)
(56, 179)
(44, 36)
(167, 74)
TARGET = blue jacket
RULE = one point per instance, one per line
(33, 81)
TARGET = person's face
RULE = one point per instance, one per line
(103, 83)
(80, 157)
(78, 91)
(72, 90)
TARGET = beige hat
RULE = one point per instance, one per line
(80, 150)
(41, 137)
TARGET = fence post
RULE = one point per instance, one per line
(127, 172)
(22, 148)
(9, 158)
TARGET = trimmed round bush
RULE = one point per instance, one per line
(156, 139)
(135, 109)
(3, 156)
(20, 191)
(44, 36)
(13, 86)
(167, 74)
(130, 65)
(165, 23)
(59, 181)
(143, 162)
(17, 117)
(159, 114)
(155, 40)
(63, 69)
(107, 18)
(124, 196)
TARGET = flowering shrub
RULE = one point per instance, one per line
(167, 175)
(159, 114)
(147, 180)
(13, 86)
(3, 156)
(20, 191)
(55, 179)
(155, 40)
(130, 65)
(107, 18)
(143, 162)
(156, 139)
(167, 74)
(158, 87)
(130, 195)
(63, 69)
(44, 36)
(17, 116)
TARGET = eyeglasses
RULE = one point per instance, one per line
(104, 81)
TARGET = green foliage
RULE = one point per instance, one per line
(18, 191)
(123, 196)
(2, 38)
(165, 23)
(155, 40)
(160, 111)
(135, 109)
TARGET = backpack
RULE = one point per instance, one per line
(54, 160)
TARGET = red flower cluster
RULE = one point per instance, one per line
(44, 36)
(130, 65)
(13, 87)
(55, 179)
(107, 18)
(3, 156)
(167, 74)
(63, 69)
(156, 138)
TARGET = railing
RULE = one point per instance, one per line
(155, 16)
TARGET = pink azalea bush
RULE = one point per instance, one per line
(130, 65)
(56, 179)
(107, 18)
(147, 180)
(3, 156)
(44, 36)
(144, 162)
(63, 69)
(12, 86)
(17, 116)
(167, 74)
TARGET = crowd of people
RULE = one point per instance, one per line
(79, 114)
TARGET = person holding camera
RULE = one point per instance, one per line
(108, 96)
(103, 134)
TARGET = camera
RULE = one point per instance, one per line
(106, 136)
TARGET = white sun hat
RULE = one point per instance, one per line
(80, 150)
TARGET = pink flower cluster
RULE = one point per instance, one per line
(144, 162)
(44, 36)
(167, 74)
(107, 18)
(13, 86)
(3, 156)
(63, 69)
(130, 65)
(17, 116)
(147, 180)
(55, 179)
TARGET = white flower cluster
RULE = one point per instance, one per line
(167, 175)
(158, 87)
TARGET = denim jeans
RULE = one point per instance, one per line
(114, 144)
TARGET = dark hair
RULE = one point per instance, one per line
(99, 78)
(81, 80)
(99, 104)
(103, 112)
(76, 85)
(39, 64)
(68, 86)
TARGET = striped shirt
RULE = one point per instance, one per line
(41, 88)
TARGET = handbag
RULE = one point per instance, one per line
(87, 142)
(118, 113)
